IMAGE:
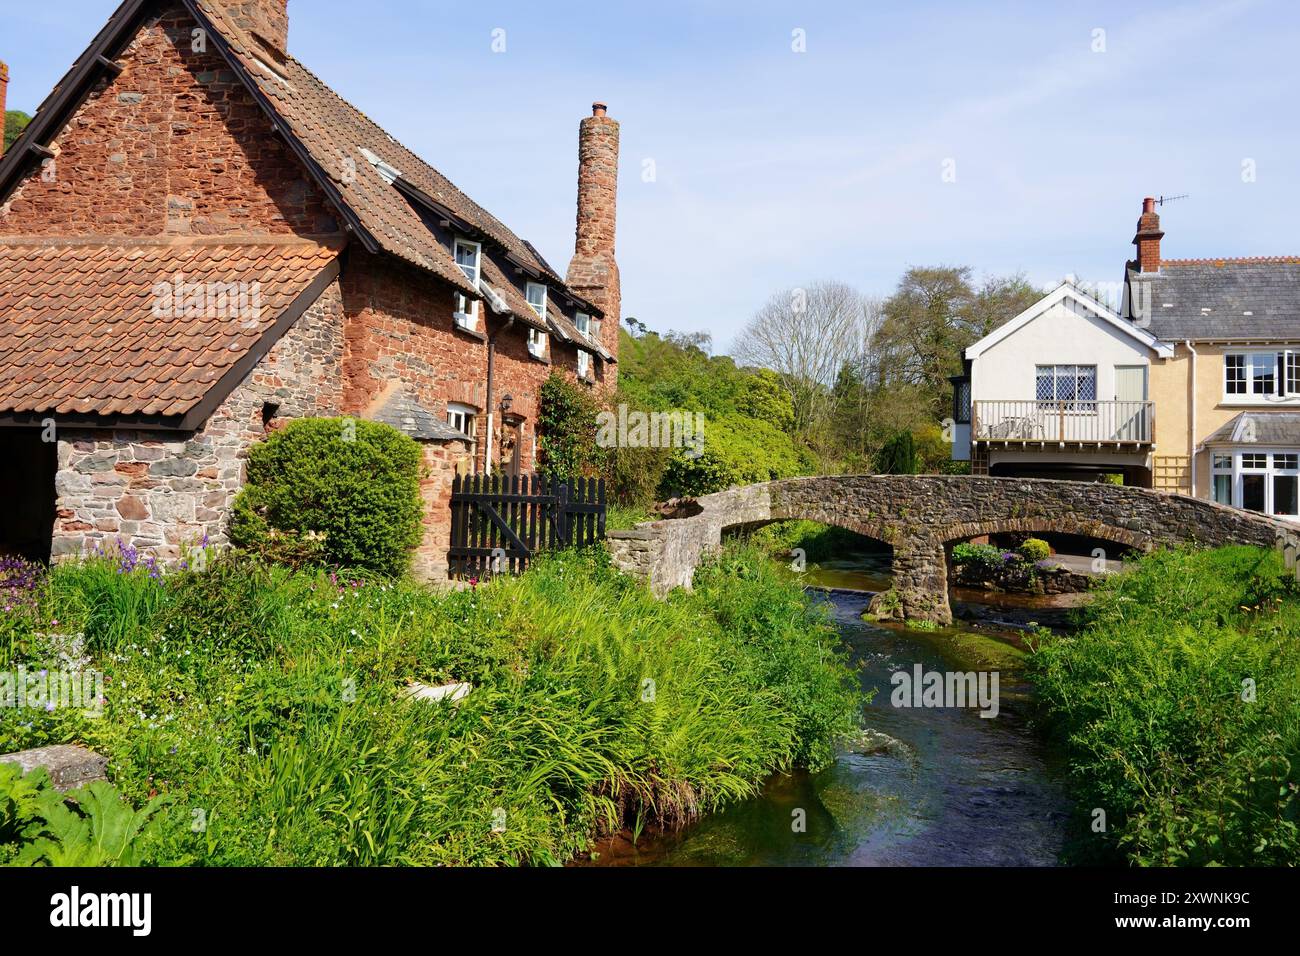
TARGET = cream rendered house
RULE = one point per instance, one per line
(1060, 391)
(1194, 387)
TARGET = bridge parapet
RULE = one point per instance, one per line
(920, 515)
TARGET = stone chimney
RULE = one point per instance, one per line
(593, 273)
(267, 20)
(4, 95)
(1148, 238)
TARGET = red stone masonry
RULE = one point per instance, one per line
(174, 145)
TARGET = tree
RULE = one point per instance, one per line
(898, 457)
(805, 336)
(15, 123)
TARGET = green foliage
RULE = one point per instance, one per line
(15, 123)
(567, 430)
(272, 700)
(1179, 706)
(898, 457)
(351, 488)
(1035, 549)
(819, 542)
(90, 827)
(980, 557)
(748, 419)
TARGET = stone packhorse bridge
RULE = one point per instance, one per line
(921, 516)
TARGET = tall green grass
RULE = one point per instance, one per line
(1179, 705)
(269, 704)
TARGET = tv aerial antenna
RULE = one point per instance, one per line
(1164, 199)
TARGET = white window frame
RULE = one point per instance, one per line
(529, 289)
(584, 363)
(582, 321)
(465, 309)
(1231, 464)
(1285, 367)
(464, 418)
(537, 343)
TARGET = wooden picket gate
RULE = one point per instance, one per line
(499, 523)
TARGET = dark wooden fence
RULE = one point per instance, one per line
(498, 523)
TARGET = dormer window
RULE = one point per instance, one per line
(583, 322)
(536, 293)
(584, 364)
(467, 258)
(537, 340)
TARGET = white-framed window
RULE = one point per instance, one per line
(584, 363)
(1267, 481)
(464, 418)
(468, 257)
(1075, 385)
(583, 321)
(537, 340)
(1258, 376)
(535, 292)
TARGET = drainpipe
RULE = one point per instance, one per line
(491, 379)
(1191, 417)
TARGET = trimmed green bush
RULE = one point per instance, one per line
(336, 490)
(567, 431)
(1035, 550)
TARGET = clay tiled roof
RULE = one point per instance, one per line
(95, 329)
(343, 142)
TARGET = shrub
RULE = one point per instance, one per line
(1035, 550)
(567, 431)
(355, 485)
(898, 456)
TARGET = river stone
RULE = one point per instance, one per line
(69, 766)
(452, 692)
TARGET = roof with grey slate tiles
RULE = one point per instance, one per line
(1259, 428)
(407, 415)
(1221, 299)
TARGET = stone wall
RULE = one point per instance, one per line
(441, 462)
(158, 492)
(173, 145)
(921, 516)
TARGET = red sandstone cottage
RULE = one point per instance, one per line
(200, 240)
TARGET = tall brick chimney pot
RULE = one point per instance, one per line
(593, 273)
(4, 95)
(1148, 237)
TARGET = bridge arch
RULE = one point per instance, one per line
(920, 515)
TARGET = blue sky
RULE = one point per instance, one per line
(774, 168)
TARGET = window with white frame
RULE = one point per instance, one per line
(1258, 376)
(583, 321)
(468, 259)
(464, 418)
(537, 340)
(536, 294)
(1263, 481)
(584, 363)
(1075, 385)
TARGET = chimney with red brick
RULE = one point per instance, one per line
(268, 20)
(593, 273)
(4, 95)
(1148, 237)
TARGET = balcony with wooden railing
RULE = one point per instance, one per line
(1033, 424)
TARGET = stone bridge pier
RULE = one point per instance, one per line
(920, 517)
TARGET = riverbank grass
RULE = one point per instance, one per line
(269, 705)
(1178, 702)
